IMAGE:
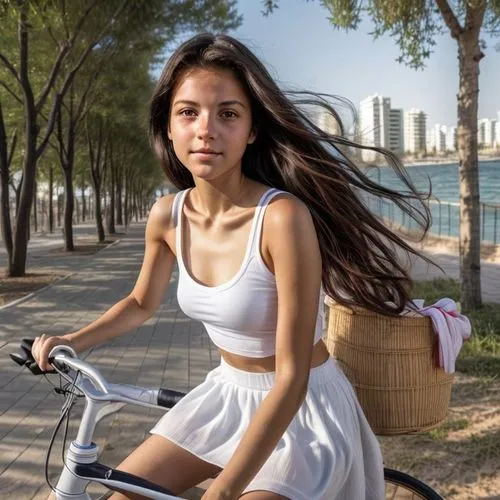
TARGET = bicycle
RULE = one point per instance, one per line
(81, 465)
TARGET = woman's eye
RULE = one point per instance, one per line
(229, 114)
(187, 112)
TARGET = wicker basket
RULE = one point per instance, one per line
(390, 362)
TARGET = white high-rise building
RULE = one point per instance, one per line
(380, 126)
(451, 139)
(497, 131)
(396, 131)
(439, 133)
(430, 140)
(415, 122)
(374, 120)
(486, 132)
(327, 122)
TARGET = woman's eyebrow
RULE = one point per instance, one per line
(223, 103)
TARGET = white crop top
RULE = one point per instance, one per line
(241, 315)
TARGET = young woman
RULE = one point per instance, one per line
(269, 211)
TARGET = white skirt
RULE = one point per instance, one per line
(327, 452)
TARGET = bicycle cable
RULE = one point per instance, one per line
(65, 412)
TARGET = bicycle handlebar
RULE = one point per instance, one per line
(105, 391)
(57, 354)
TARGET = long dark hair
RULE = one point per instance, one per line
(359, 252)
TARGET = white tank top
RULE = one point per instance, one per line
(241, 315)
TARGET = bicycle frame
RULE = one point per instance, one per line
(81, 463)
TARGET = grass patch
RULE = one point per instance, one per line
(436, 289)
(441, 433)
(480, 356)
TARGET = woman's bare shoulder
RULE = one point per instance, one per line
(287, 218)
(160, 217)
(285, 207)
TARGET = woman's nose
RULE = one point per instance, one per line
(206, 127)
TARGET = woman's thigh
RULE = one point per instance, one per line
(159, 460)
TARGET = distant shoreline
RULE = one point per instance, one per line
(444, 161)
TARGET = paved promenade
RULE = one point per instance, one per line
(169, 350)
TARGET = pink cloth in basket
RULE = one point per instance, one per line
(451, 327)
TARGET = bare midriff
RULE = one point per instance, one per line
(260, 365)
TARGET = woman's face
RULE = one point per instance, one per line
(210, 122)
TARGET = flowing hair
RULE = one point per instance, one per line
(360, 263)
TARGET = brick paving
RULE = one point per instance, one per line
(168, 350)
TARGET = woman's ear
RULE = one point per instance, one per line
(252, 136)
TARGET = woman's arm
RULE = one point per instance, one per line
(139, 305)
(294, 249)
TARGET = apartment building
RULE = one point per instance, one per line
(415, 136)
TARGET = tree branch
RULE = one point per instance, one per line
(449, 18)
(69, 78)
(60, 137)
(60, 57)
(52, 78)
(43, 17)
(50, 125)
(65, 24)
(92, 79)
(11, 92)
(10, 67)
(13, 145)
(474, 16)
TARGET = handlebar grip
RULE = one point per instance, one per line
(169, 398)
(24, 357)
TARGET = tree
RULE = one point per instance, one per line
(29, 17)
(414, 25)
(40, 79)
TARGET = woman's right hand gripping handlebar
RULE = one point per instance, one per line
(42, 346)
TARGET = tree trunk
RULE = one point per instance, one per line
(77, 211)
(5, 216)
(98, 215)
(67, 162)
(69, 204)
(119, 194)
(35, 205)
(59, 207)
(51, 200)
(111, 208)
(126, 199)
(18, 267)
(4, 192)
(136, 213)
(470, 238)
(84, 208)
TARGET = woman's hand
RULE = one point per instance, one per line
(43, 345)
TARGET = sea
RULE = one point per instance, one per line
(444, 181)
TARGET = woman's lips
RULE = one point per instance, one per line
(202, 154)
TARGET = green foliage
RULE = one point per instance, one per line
(413, 24)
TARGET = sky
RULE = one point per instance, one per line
(302, 51)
